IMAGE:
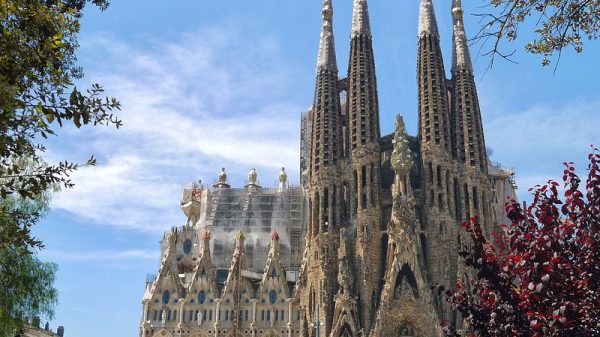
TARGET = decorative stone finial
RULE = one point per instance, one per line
(221, 180)
(223, 176)
(427, 21)
(457, 10)
(327, 58)
(282, 175)
(252, 176)
(274, 249)
(240, 237)
(461, 58)
(361, 24)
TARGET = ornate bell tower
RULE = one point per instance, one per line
(324, 188)
(365, 154)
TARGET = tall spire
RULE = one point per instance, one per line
(460, 49)
(470, 143)
(365, 139)
(360, 19)
(327, 59)
(434, 112)
(427, 21)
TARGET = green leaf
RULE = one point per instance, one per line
(77, 119)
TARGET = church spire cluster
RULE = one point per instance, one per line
(354, 249)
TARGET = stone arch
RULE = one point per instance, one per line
(406, 274)
(346, 331)
(271, 333)
(162, 333)
(405, 330)
(199, 334)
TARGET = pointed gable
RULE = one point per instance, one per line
(168, 286)
(274, 284)
(235, 281)
(203, 287)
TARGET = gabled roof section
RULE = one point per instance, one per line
(204, 277)
(235, 281)
(274, 277)
(168, 267)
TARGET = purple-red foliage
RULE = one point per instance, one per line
(540, 275)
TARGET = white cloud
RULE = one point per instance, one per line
(539, 139)
(190, 106)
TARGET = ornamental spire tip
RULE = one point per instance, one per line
(327, 58)
(427, 21)
(361, 24)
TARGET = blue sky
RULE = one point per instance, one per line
(206, 85)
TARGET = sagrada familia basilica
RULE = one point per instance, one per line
(352, 251)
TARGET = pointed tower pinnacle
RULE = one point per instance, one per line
(427, 21)
(460, 51)
(365, 147)
(206, 242)
(361, 24)
(239, 243)
(327, 59)
(275, 247)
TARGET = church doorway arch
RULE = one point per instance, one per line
(406, 330)
(162, 333)
(271, 333)
(346, 331)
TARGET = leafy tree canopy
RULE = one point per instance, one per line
(559, 24)
(38, 41)
(540, 275)
(26, 282)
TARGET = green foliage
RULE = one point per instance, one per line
(38, 41)
(26, 282)
(559, 24)
(402, 157)
(27, 289)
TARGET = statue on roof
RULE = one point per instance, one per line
(222, 176)
(282, 180)
(252, 176)
(282, 176)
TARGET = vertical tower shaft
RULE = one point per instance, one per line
(323, 187)
(434, 117)
(434, 114)
(437, 165)
(326, 141)
(365, 163)
(469, 144)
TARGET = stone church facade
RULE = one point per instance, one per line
(353, 250)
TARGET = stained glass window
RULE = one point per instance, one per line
(166, 297)
(273, 296)
(187, 246)
(201, 297)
